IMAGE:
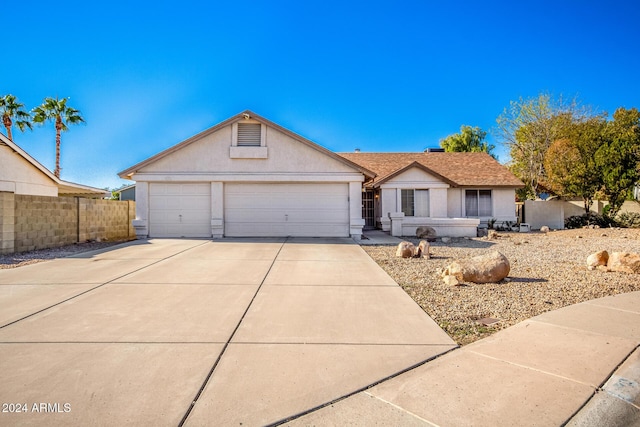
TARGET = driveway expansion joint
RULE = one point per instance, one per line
(96, 287)
(226, 345)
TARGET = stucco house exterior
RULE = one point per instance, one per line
(250, 177)
(455, 193)
(22, 174)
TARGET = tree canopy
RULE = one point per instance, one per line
(528, 127)
(57, 111)
(470, 139)
(13, 112)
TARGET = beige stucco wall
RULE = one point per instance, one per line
(19, 176)
(213, 158)
(212, 154)
(413, 178)
(504, 204)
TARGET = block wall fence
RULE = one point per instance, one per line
(40, 222)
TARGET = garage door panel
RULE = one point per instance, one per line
(180, 210)
(286, 210)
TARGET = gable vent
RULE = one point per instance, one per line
(249, 134)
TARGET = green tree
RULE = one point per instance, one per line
(57, 110)
(470, 139)
(528, 127)
(570, 163)
(12, 113)
(619, 157)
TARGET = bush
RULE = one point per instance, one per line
(629, 219)
(580, 221)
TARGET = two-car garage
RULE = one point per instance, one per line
(250, 209)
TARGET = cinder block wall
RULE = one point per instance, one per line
(41, 222)
(106, 219)
(44, 222)
(7, 222)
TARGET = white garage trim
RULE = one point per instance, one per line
(179, 210)
(277, 210)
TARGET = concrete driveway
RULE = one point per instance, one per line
(198, 332)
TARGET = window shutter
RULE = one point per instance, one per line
(249, 134)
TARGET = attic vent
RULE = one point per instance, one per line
(249, 134)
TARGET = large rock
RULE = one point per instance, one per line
(626, 262)
(598, 259)
(544, 229)
(423, 250)
(428, 233)
(406, 250)
(489, 268)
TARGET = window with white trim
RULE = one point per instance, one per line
(415, 202)
(249, 134)
(478, 203)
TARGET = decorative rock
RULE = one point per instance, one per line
(446, 239)
(492, 235)
(544, 229)
(625, 262)
(482, 232)
(488, 268)
(428, 233)
(597, 259)
(406, 250)
(423, 250)
(451, 280)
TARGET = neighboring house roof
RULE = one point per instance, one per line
(128, 173)
(65, 188)
(456, 169)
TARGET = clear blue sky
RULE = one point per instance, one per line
(377, 75)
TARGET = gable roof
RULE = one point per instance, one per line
(456, 169)
(127, 173)
(64, 187)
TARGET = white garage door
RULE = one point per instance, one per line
(270, 210)
(180, 210)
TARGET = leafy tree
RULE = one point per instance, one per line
(12, 113)
(529, 127)
(470, 139)
(619, 157)
(570, 162)
(61, 114)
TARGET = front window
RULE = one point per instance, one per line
(478, 203)
(415, 202)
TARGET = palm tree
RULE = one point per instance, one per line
(13, 113)
(57, 111)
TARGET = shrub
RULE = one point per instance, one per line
(629, 219)
(579, 221)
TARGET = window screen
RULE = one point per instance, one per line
(407, 202)
(478, 203)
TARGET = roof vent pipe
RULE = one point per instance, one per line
(357, 150)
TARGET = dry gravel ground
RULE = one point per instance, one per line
(25, 258)
(548, 271)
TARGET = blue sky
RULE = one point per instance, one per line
(376, 75)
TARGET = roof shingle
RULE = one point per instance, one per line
(458, 169)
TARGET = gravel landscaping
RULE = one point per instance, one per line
(548, 271)
(15, 260)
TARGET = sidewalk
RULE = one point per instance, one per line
(377, 237)
(549, 370)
